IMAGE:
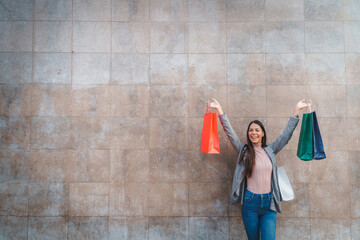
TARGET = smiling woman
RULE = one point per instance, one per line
(255, 183)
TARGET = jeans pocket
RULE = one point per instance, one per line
(248, 196)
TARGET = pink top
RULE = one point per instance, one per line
(260, 181)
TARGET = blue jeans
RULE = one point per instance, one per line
(258, 219)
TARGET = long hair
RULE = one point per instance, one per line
(250, 152)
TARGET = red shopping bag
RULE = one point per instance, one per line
(210, 134)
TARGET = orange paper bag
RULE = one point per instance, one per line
(210, 134)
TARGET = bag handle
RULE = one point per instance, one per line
(208, 106)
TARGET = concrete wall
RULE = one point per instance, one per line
(102, 101)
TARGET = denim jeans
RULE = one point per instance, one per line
(258, 219)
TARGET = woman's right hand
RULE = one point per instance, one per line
(216, 105)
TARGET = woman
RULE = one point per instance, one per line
(255, 183)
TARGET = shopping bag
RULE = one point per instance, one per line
(210, 134)
(319, 152)
(305, 146)
(286, 190)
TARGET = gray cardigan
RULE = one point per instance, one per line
(239, 185)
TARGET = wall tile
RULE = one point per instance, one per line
(18, 37)
(166, 199)
(14, 133)
(325, 106)
(351, 9)
(168, 228)
(354, 134)
(169, 132)
(91, 36)
(293, 10)
(51, 100)
(237, 229)
(293, 228)
(300, 206)
(130, 37)
(14, 199)
(352, 36)
(15, 68)
(248, 10)
(90, 133)
(206, 168)
(168, 38)
(168, 101)
(325, 69)
(208, 199)
(50, 132)
(284, 37)
(334, 169)
(94, 165)
(324, 37)
(54, 36)
(52, 68)
(130, 101)
(15, 100)
(324, 10)
(330, 228)
(333, 133)
(129, 166)
(134, 10)
(17, 10)
(198, 95)
(47, 166)
(128, 228)
(90, 100)
(168, 10)
(210, 228)
(47, 228)
(245, 69)
(297, 170)
(98, 63)
(247, 101)
(88, 199)
(352, 70)
(92, 10)
(355, 228)
(207, 11)
(245, 37)
(137, 72)
(13, 227)
(168, 165)
(207, 37)
(88, 228)
(168, 69)
(355, 202)
(207, 69)
(14, 165)
(285, 69)
(354, 157)
(48, 199)
(53, 10)
(129, 133)
(129, 199)
(329, 201)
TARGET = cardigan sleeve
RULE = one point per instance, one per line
(230, 133)
(285, 136)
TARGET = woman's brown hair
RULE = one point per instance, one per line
(250, 152)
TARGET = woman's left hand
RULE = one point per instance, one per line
(300, 105)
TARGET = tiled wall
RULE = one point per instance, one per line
(101, 107)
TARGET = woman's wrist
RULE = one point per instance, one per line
(220, 111)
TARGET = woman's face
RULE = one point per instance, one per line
(255, 134)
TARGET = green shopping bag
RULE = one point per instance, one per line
(305, 149)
